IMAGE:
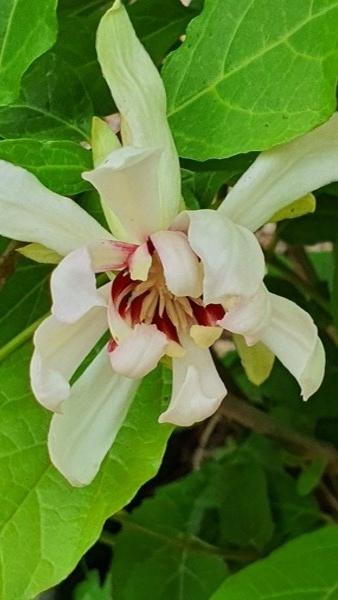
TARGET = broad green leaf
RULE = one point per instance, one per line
(334, 292)
(298, 208)
(47, 525)
(57, 164)
(257, 360)
(40, 254)
(246, 518)
(53, 104)
(311, 476)
(27, 29)
(223, 98)
(304, 569)
(24, 298)
(160, 24)
(159, 549)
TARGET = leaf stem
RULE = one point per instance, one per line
(20, 339)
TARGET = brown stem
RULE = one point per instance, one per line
(255, 419)
(7, 262)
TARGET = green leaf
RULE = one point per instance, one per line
(221, 84)
(47, 525)
(57, 164)
(53, 104)
(158, 548)
(91, 589)
(304, 569)
(160, 24)
(257, 360)
(311, 476)
(246, 518)
(27, 29)
(24, 298)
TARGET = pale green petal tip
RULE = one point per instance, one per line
(298, 208)
(257, 360)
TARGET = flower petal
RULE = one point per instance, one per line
(139, 94)
(73, 287)
(140, 263)
(108, 255)
(182, 269)
(248, 316)
(139, 353)
(232, 258)
(32, 213)
(128, 183)
(293, 337)
(283, 174)
(197, 388)
(95, 410)
(59, 350)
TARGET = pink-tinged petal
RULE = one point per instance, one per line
(140, 263)
(92, 416)
(232, 258)
(182, 269)
(293, 337)
(73, 287)
(139, 353)
(59, 350)
(128, 182)
(248, 316)
(119, 327)
(108, 255)
(197, 388)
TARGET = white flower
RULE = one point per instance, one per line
(181, 277)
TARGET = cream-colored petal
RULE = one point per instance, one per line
(59, 349)
(205, 335)
(32, 213)
(283, 174)
(248, 316)
(293, 337)
(232, 258)
(128, 182)
(73, 287)
(139, 94)
(139, 353)
(197, 388)
(140, 263)
(93, 414)
(182, 269)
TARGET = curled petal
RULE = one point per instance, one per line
(181, 266)
(95, 410)
(139, 353)
(197, 387)
(284, 174)
(73, 287)
(293, 337)
(128, 182)
(59, 349)
(232, 258)
(32, 213)
(140, 96)
(248, 316)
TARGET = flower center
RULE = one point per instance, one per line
(151, 302)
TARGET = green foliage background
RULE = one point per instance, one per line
(245, 506)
